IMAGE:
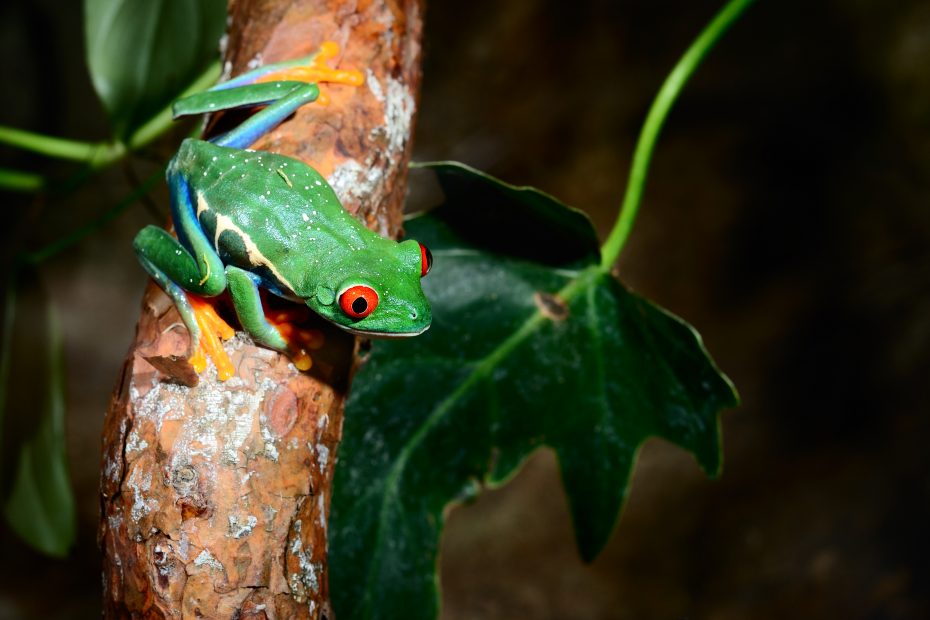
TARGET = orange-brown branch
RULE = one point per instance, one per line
(214, 495)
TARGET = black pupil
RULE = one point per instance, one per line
(359, 305)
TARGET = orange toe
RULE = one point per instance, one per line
(317, 71)
(300, 340)
(212, 330)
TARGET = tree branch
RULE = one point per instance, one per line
(214, 497)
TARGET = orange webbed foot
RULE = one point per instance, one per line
(318, 71)
(213, 329)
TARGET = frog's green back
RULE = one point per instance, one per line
(261, 207)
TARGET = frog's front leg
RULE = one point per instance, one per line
(243, 289)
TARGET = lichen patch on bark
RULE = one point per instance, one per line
(212, 475)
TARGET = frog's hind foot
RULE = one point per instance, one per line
(314, 69)
(213, 330)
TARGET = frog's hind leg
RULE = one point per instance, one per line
(186, 264)
(281, 98)
(293, 96)
(175, 292)
(189, 261)
(282, 87)
(246, 96)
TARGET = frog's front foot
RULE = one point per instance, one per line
(300, 340)
(213, 330)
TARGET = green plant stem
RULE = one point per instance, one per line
(60, 148)
(156, 125)
(98, 155)
(146, 133)
(645, 145)
(94, 225)
(17, 181)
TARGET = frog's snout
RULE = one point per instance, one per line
(416, 316)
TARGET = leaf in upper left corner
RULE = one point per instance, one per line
(37, 499)
(141, 54)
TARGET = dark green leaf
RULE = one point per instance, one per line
(532, 345)
(526, 222)
(37, 499)
(143, 53)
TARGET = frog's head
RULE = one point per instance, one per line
(377, 293)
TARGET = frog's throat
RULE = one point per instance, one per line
(382, 335)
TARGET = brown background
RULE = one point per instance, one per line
(786, 218)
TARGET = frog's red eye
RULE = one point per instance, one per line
(426, 260)
(358, 301)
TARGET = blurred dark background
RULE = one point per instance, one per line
(786, 217)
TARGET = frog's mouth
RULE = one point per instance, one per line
(382, 335)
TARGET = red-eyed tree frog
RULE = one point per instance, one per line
(249, 219)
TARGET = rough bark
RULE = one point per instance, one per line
(214, 497)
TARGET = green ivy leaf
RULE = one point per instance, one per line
(532, 345)
(143, 53)
(38, 502)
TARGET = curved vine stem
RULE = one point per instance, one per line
(96, 155)
(51, 146)
(663, 102)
